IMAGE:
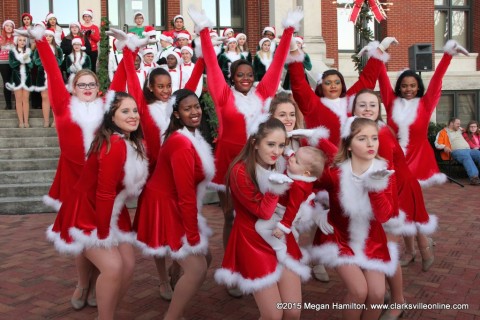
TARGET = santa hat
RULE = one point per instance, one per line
(232, 39)
(271, 29)
(166, 38)
(178, 16)
(50, 16)
(147, 50)
(6, 22)
(149, 31)
(241, 35)
(75, 23)
(176, 54)
(138, 13)
(88, 12)
(50, 31)
(226, 30)
(26, 14)
(184, 35)
(78, 40)
(188, 49)
(300, 39)
(260, 43)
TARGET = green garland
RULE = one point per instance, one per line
(209, 109)
(102, 70)
(364, 35)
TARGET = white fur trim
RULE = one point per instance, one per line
(161, 112)
(301, 178)
(266, 61)
(429, 227)
(399, 225)
(231, 279)
(252, 109)
(338, 106)
(88, 116)
(323, 197)
(346, 128)
(200, 19)
(292, 59)
(37, 32)
(301, 268)
(318, 133)
(293, 19)
(404, 114)
(372, 51)
(109, 97)
(217, 187)
(266, 185)
(52, 203)
(233, 56)
(437, 178)
(451, 47)
(198, 47)
(61, 246)
(22, 69)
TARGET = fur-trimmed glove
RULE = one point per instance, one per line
(323, 224)
(453, 48)
(377, 180)
(386, 42)
(293, 19)
(199, 18)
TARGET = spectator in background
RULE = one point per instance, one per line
(66, 45)
(148, 63)
(76, 61)
(52, 23)
(138, 18)
(114, 58)
(472, 135)
(307, 63)
(166, 42)
(263, 59)
(27, 20)
(92, 32)
(452, 142)
(270, 33)
(242, 45)
(6, 44)
(229, 56)
(178, 26)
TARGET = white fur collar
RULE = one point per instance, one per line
(404, 114)
(300, 178)
(136, 171)
(19, 55)
(161, 112)
(265, 60)
(338, 106)
(233, 56)
(88, 116)
(252, 108)
(79, 62)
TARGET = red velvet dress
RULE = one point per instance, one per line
(75, 122)
(169, 219)
(239, 115)
(410, 119)
(94, 214)
(356, 216)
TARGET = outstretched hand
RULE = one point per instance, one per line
(387, 42)
(381, 174)
(279, 178)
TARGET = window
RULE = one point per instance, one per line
(225, 13)
(462, 104)
(452, 21)
(121, 13)
(347, 38)
(65, 10)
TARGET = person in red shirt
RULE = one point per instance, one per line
(93, 34)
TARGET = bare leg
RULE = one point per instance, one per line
(267, 300)
(426, 249)
(290, 288)
(18, 107)
(357, 289)
(45, 108)
(164, 286)
(376, 291)
(195, 271)
(127, 253)
(396, 283)
(228, 216)
(84, 268)
(409, 254)
(26, 107)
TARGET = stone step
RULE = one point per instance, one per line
(13, 123)
(28, 164)
(12, 114)
(27, 132)
(24, 190)
(29, 153)
(22, 205)
(33, 176)
(29, 142)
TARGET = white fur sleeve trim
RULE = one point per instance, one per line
(318, 134)
(217, 187)
(52, 203)
(293, 19)
(92, 240)
(438, 178)
(266, 185)
(301, 268)
(296, 58)
(198, 47)
(451, 47)
(372, 51)
(429, 227)
(400, 226)
(231, 279)
(303, 220)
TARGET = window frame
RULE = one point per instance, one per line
(455, 94)
(219, 28)
(449, 7)
(123, 24)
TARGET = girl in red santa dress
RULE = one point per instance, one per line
(332, 108)
(409, 109)
(155, 115)
(78, 117)
(250, 263)
(240, 107)
(412, 217)
(169, 219)
(93, 221)
(350, 237)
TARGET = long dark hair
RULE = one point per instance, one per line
(107, 128)
(234, 66)
(176, 123)
(249, 154)
(410, 73)
(147, 93)
(331, 72)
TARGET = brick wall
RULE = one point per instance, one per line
(410, 22)
(475, 15)
(329, 30)
(9, 10)
(256, 18)
(173, 9)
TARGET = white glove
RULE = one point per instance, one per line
(377, 180)
(21, 32)
(386, 42)
(199, 18)
(323, 224)
(293, 19)
(37, 32)
(293, 45)
(26, 57)
(307, 133)
(279, 178)
(218, 40)
(453, 48)
(117, 34)
(380, 174)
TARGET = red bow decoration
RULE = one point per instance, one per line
(375, 6)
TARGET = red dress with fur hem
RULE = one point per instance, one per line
(249, 263)
(154, 117)
(410, 119)
(411, 205)
(76, 123)
(95, 215)
(239, 115)
(356, 216)
(168, 218)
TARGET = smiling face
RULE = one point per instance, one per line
(88, 93)
(266, 46)
(126, 117)
(332, 87)
(189, 112)
(408, 88)
(186, 56)
(148, 58)
(232, 46)
(285, 112)
(243, 78)
(367, 106)
(364, 145)
(270, 148)
(161, 87)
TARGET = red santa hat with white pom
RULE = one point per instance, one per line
(78, 40)
(88, 12)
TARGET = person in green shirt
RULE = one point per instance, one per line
(138, 29)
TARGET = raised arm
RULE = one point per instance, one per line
(386, 91)
(302, 93)
(194, 82)
(133, 84)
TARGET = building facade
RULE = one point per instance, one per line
(329, 37)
